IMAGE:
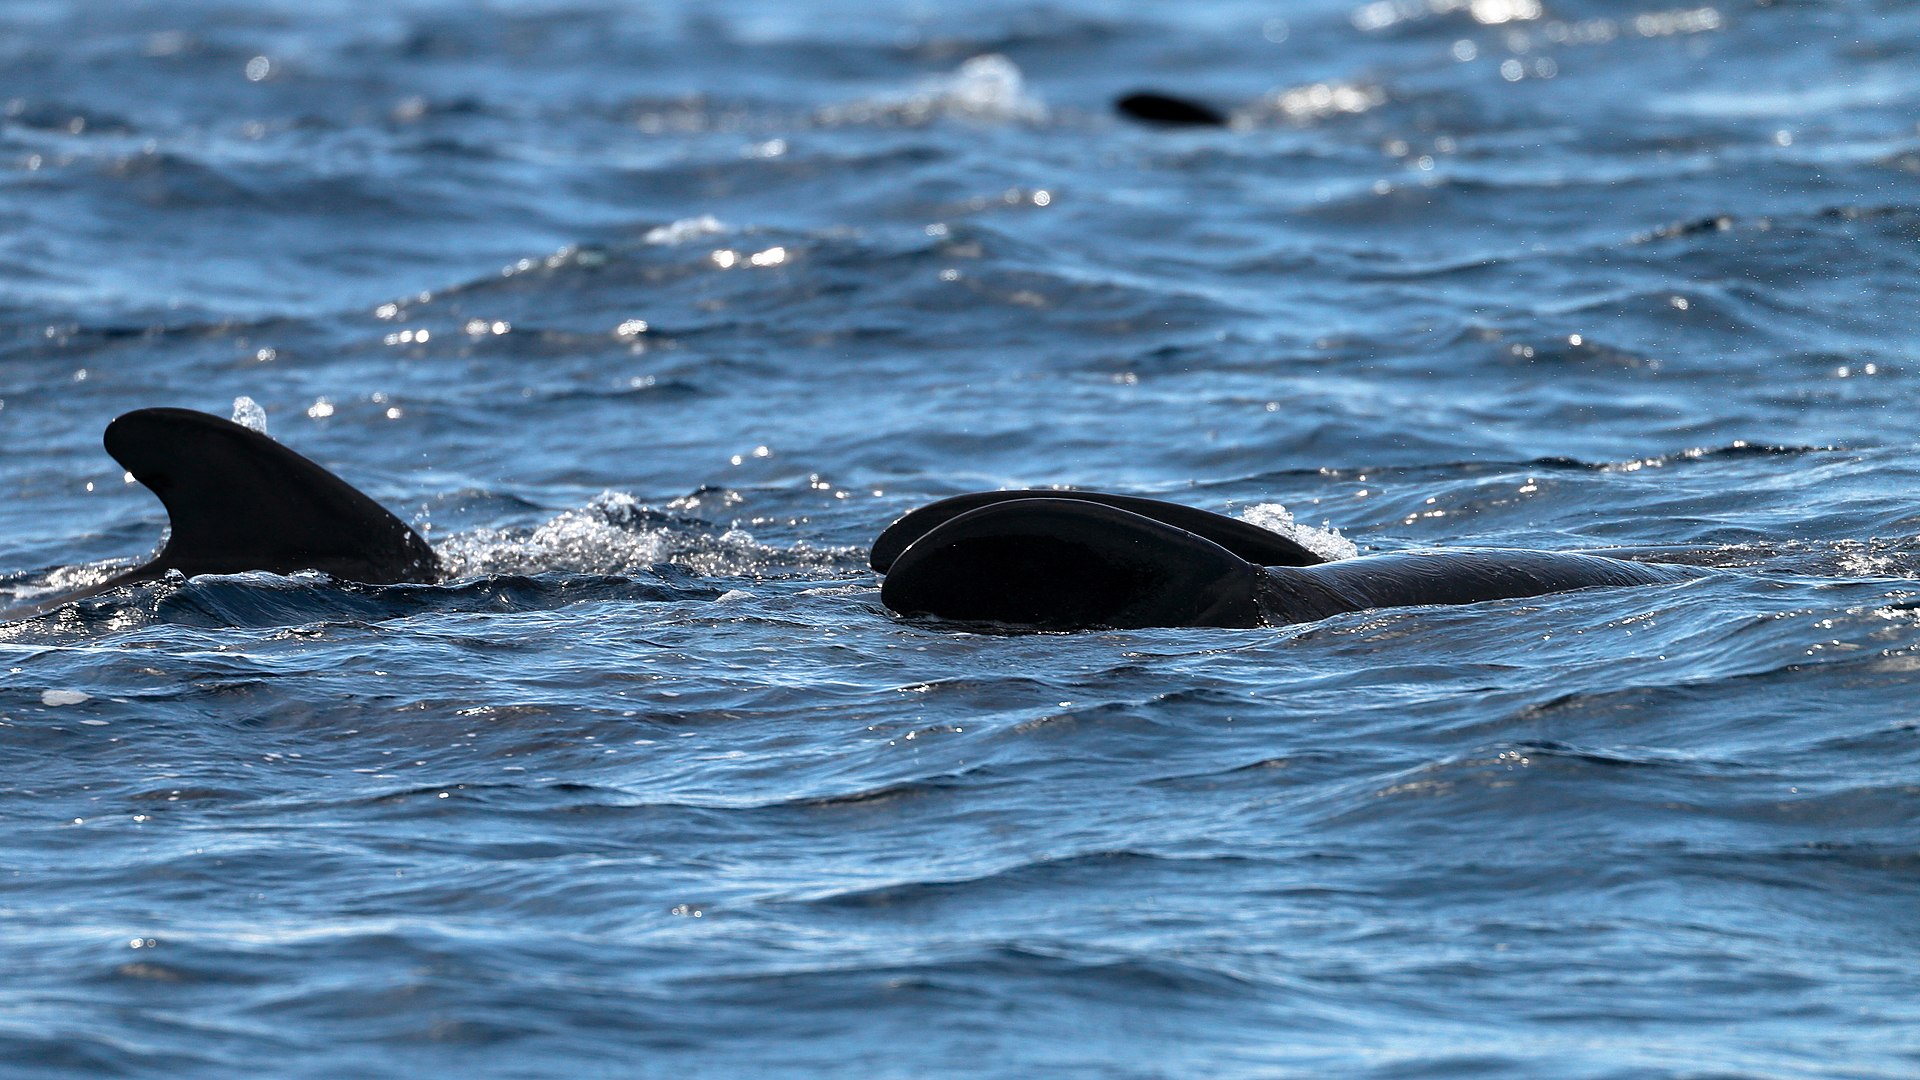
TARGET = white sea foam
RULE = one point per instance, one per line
(599, 537)
(686, 229)
(615, 534)
(1325, 541)
(988, 87)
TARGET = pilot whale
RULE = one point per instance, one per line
(237, 500)
(1069, 560)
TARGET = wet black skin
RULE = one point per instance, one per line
(1022, 560)
(1250, 542)
(237, 501)
(1038, 561)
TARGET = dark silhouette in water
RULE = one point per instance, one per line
(1248, 541)
(237, 500)
(1074, 561)
(1152, 108)
(1035, 560)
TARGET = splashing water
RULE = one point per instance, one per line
(685, 229)
(992, 87)
(603, 536)
(1325, 542)
(988, 88)
(615, 534)
(248, 414)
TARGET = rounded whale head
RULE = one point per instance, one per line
(1060, 564)
(1245, 539)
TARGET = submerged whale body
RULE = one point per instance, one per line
(236, 501)
(1080, 560)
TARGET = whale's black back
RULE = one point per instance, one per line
(1459, 576)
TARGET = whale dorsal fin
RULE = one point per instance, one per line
(240, 501)
(1064, 564)
(1259, 546)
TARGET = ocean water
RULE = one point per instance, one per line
(652, 315)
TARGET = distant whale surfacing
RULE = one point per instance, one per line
(1164, 109)
(1068, 560)
(239, 501)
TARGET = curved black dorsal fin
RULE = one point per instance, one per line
(239, 501)
(1065, 564)
(1259, 546)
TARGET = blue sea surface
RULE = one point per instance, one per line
(652, 315)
